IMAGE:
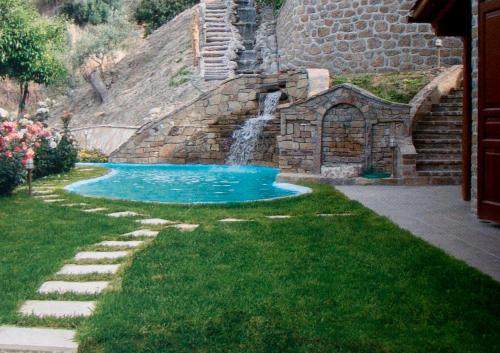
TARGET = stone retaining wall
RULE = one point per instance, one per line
(201, 132)
(352, 36)
(343, 132)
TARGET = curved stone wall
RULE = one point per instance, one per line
(354, 36)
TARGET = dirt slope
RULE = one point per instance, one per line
(158, 74)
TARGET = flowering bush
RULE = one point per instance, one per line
(17, 143)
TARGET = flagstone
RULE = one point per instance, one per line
(75, 204)
(184, 227)
(142, 233)
(279, 217)
(42, 192)
(100, 255)
(73, 287)
(50, 196)
(127, 244)
(231, 220)
(54, 200)
(24, 339)
(57, 308)
(94, 210)
(155, 221)
(123, 214)
(88, 269)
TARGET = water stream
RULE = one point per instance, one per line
(246, 138)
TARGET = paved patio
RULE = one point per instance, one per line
(438, 215)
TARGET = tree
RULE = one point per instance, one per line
(29, 46)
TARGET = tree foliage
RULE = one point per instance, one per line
(90, 11)
(30, 45)
(155, 13)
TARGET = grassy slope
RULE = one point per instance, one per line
(307, 284)
(398, 87)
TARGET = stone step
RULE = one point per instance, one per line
(155, 221)
(426, 124)
(436, 173)
(40, 340)
(122, 244)
(450, 99)
(437, 143)
(447, 106)
(213, 53)
(216, 44)
(448, 113)
(436, 135)
(422, 156)
(443, 164)
(56, 308)
(216, 48)
(442, 118)
(95, 287)
(101, 255)
(123, 214)
(76, 270)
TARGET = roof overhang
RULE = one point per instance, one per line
(448, 17)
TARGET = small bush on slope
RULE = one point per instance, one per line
(90, 11)
(155, 13)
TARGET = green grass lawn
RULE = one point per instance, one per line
(348, 283)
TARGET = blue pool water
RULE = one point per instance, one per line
(187, 183)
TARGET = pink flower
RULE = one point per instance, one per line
(9, 126)
(8, 154)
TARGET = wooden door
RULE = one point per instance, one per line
(489, 111)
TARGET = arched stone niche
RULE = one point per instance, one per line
(341, 133)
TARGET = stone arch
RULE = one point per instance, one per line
(343, 138)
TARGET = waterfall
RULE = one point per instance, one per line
(246, 138)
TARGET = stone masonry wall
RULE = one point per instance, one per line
(342, 132)
(474, 95)
(358, 36)
(201, 132)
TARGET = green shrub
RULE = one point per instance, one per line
(67, 154)
(11, 173)
(45, 160)
(89, 11)
(277, 3)
(155, 13)
(92, 156)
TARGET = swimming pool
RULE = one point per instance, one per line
(188, 183)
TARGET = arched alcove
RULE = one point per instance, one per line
(343, 139)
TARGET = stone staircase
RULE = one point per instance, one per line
(437, 138)
(218, 41)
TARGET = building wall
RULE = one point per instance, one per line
(474, 94)
(358, 36)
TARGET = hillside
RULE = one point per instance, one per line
(159, 75)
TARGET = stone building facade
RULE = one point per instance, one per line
(343, 132)
(358, 36)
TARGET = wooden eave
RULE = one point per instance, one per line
(448, 17)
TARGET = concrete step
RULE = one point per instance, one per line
(101, 255)
(146, 233)
(121, 244)
(57, 308)
(24, 339)
(76, 270)
(73, 287)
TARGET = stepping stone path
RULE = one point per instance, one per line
(142, 233)
(184, 227)
(55, 308)
(50, 196)
(155, 222)
(123, 214)
(21, 339)
(100, 255)
(85, 169)
(95, 210)
(76, 270)
(75, 204)
(233, 220)
(42, 192)
(54, 200)
(279, 217)
(124, 244)
(73, 287)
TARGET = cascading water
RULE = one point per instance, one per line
(246, 138)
